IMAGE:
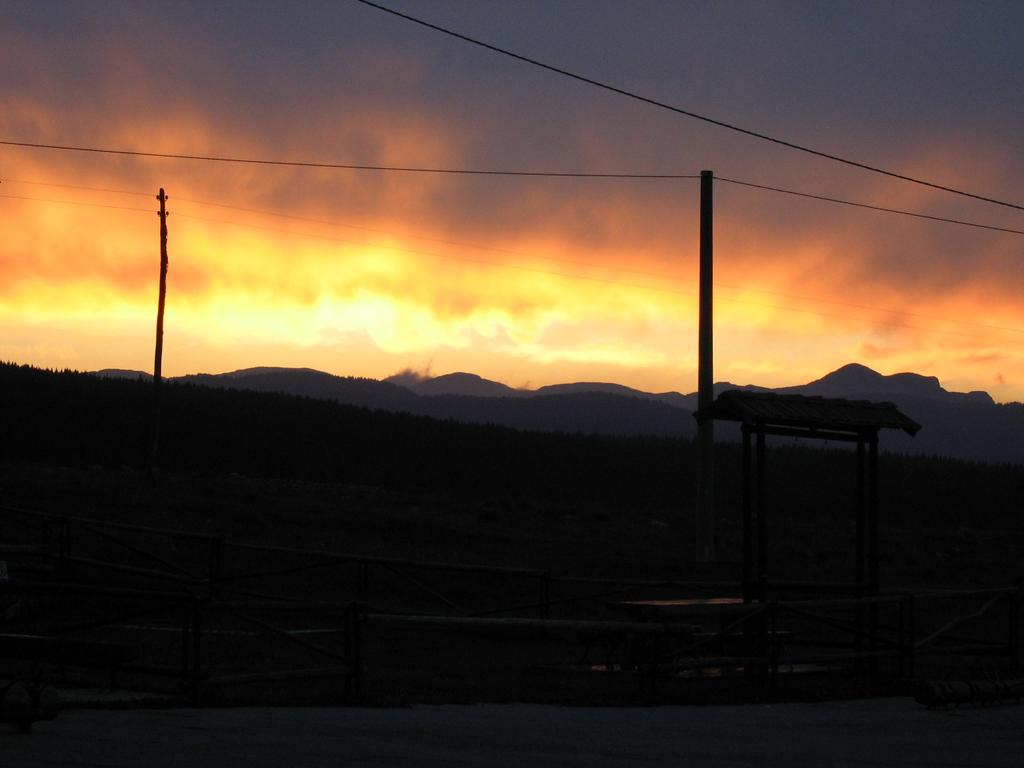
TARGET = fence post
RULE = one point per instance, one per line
(353, 651)
(911, 634)
(63, 546)
(197, 635)
(773, 640)
(186, 629)
(544, 598)
(873, 632)
(362, 581)
(1013, 608)
(901, 635)
(216, 563)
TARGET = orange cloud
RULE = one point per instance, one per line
(572, 279)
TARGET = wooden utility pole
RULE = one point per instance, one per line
(705, 380)
(159, 355)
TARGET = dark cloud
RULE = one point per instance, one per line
(931, 89)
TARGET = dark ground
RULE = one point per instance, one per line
(405, 665)
(840, 734)
(962, 545)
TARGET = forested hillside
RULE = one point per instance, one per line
(77, 418)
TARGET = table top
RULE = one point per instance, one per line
(668, 608)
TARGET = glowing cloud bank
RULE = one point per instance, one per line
(521, 280)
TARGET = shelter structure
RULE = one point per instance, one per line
(761, 414)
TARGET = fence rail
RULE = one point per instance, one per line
(215, 550)
(758, 636)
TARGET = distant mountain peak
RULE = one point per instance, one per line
(261, 370)
(862, 383)
(851, 373)
(964, 424)
(461, 376)
(122, 373)
(857, 375)
(457, 383)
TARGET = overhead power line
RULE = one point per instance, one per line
(870, 207)
(76, 202)
(685, 112)
(482, 172)
(78, 186)
(346, 166)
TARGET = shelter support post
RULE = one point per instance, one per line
(748, 522)
(861, 532)
(762, 533)
(873, 516)
(1013, 609)
(861, 501)
(873, 543)
(762, 550)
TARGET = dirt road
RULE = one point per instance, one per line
(888, 732)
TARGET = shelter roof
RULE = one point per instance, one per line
(765, 409)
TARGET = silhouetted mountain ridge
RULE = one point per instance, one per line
(70, 419)
(859, 381)
(306, 382)
(959, 424)
(455, 384)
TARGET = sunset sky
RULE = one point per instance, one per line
(529, 281)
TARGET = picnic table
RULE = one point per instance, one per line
(679, 608)
(44, 649)
(719, 644)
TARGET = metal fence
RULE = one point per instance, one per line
(206, 612)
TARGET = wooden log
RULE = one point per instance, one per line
(91, 521)
(133, 569)
(525, 625)
(16, 705)
(282, 674)
(935, 693)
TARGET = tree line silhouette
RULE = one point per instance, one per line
(72, 418)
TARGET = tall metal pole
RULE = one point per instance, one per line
(159, 355)
(705, 380)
